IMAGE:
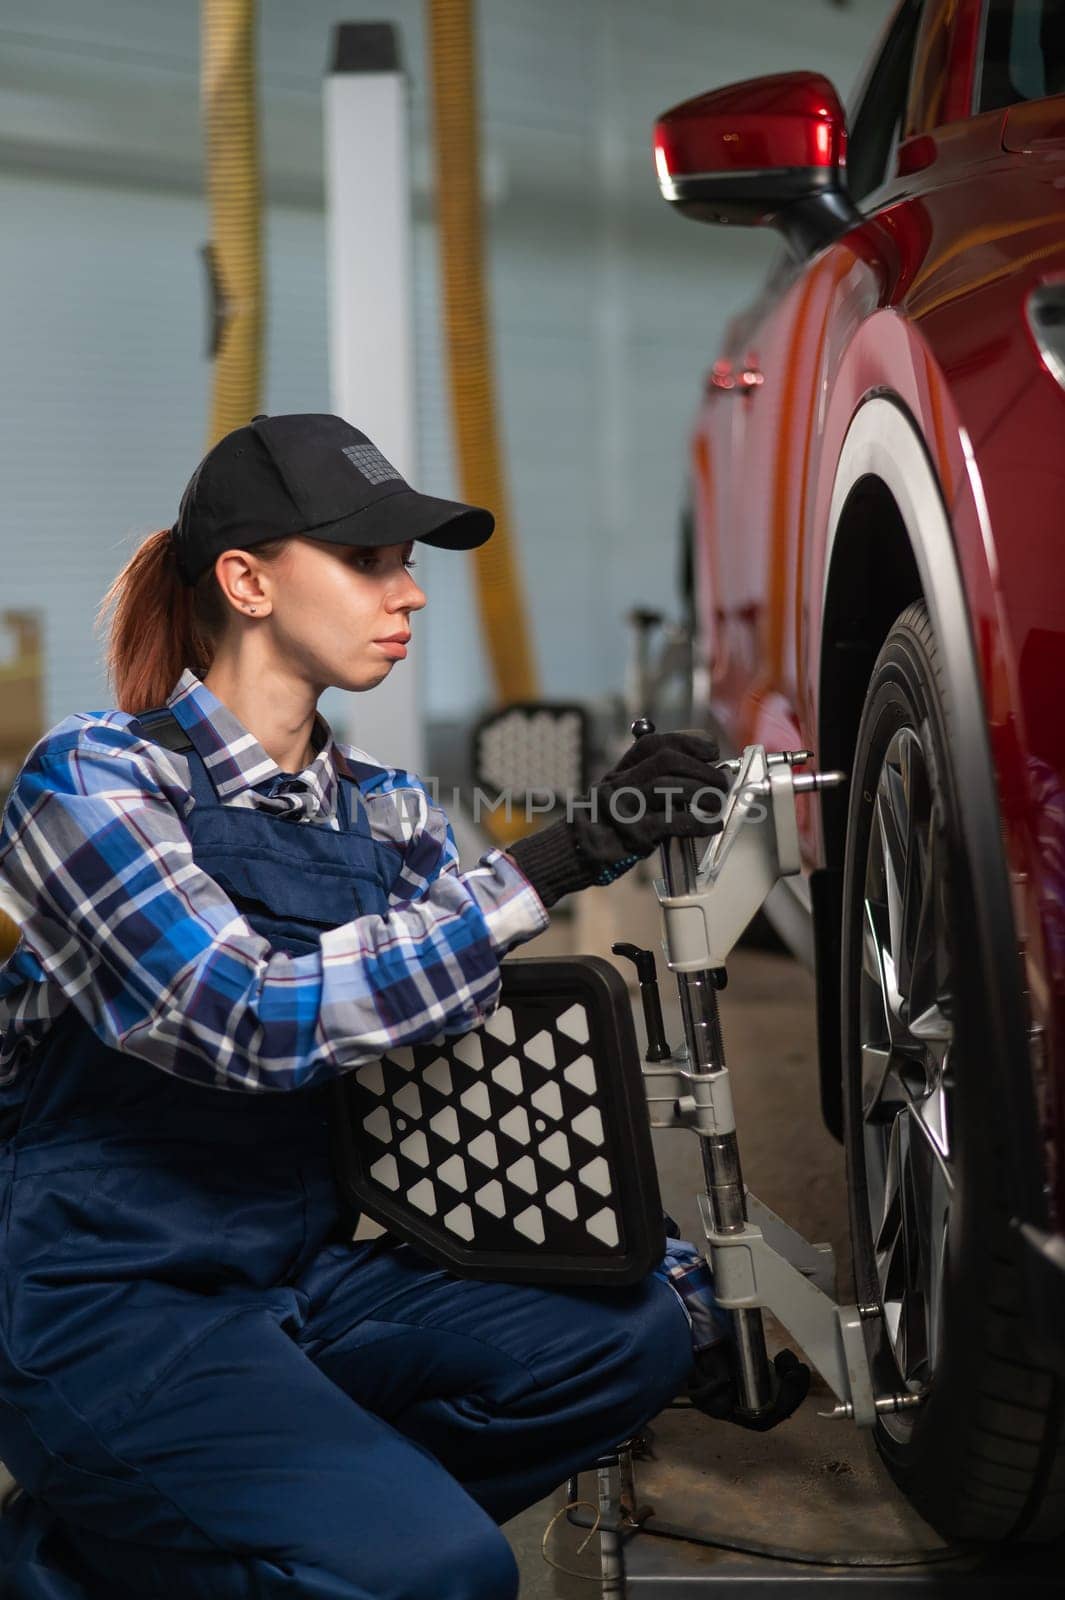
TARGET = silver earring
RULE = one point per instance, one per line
(251, 611)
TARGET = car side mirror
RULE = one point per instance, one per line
(768, 150)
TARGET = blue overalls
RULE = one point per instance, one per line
(207, 1391)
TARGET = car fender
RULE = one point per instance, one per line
(884, 440)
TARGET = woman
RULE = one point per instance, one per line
(206, 1388)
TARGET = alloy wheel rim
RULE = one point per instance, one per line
(907, 1058)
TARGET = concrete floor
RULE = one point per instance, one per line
(826, 1472)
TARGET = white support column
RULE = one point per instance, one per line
(371, 323)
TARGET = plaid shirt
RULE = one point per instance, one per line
(117, 920)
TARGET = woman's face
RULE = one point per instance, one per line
(331, 606)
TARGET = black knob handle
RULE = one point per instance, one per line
(646, 972)
(641, 726)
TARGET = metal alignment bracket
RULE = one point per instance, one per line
(768, 1264)
(758, 844)
(677, 1098)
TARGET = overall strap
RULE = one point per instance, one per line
(351, 819)
(162, 727)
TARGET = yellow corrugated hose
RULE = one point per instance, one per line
(468, 342)
(234, 192)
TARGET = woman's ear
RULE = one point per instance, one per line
(241, 580)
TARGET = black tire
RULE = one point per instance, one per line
(981, 1457)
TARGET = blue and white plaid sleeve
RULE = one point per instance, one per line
(98, 869)
(426, 843)
(403, 810)
(685, 1270)
(404, 813)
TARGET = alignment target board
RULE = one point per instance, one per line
(521, 1150)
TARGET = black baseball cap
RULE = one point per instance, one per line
(314, 474)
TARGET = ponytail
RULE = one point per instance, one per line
(160, 625)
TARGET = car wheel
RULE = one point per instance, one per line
(935, 1260)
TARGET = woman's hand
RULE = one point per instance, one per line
(665, 785)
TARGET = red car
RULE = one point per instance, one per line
(877, 560)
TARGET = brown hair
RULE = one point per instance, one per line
(160, 625)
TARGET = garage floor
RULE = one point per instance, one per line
(812, 1483)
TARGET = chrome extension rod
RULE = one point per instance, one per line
(722, 1174)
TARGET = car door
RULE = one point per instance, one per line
(716, 452)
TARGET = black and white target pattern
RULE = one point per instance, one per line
(512, 1150)
(539, 747)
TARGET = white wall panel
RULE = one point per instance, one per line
(103, 328)
(101, 324)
